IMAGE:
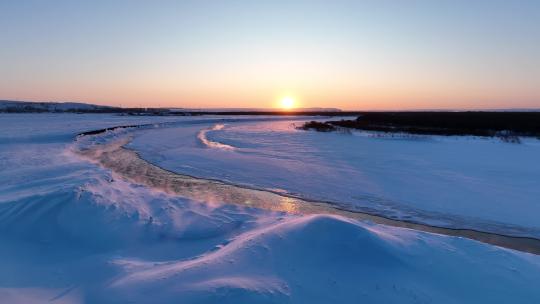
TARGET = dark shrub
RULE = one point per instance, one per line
(317, 126)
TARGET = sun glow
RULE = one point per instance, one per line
(287, 103)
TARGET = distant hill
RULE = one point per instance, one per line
(31, 106)
(13, 106)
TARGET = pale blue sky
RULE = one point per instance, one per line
(348, 54)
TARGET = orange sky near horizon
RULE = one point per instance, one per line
(352, 55)
(362, 99)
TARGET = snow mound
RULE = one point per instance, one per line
(323, 259)
(117, 214)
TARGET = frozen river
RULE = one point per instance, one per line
(475, 183)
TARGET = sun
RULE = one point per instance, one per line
(287, 103)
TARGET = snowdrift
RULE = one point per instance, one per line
(325, 259)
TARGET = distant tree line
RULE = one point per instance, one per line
(502, 124)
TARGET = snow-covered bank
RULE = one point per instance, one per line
(476, 183)
(323, 259)
(72, 232)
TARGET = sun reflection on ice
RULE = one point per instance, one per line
(289, 205)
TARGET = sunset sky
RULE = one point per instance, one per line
(345, 54)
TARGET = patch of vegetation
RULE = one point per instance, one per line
(318, 126)
(506, 125)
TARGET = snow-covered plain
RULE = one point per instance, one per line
(477, 183)
(72, 232)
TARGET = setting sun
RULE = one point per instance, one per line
(287, 103)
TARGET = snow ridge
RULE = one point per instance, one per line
(213, 144)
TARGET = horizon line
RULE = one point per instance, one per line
(299, 109)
